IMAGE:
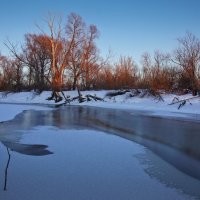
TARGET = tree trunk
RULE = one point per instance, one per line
(74, 84)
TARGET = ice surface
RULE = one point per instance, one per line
(9, 111)
(88, 164)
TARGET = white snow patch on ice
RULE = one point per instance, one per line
(9, 111)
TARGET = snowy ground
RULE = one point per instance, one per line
(146, 105)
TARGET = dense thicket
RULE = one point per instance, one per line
(66, 57)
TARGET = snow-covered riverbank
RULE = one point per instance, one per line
(146, 105)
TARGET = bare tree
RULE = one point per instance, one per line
(85, 60)
(157, 71)
(61, 45)
(10, 74)
(34, 56)
(90, 57)
(37, 56)
(146, 62)
(75, 61)
(187, 56)
(126, 72)
(18, 75)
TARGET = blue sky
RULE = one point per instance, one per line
(127, 27)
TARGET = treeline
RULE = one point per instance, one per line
(66, 57)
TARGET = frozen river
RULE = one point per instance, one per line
(85, 153)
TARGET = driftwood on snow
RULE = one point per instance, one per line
(57, 97)
(136, 92)
(151, 93)
(87, 97)
(80, 99)
(182, 102)
(117, 93)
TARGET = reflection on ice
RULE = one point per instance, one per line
(28, 149)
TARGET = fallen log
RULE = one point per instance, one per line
(116, 93)
(176, 100)
(182, 102)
